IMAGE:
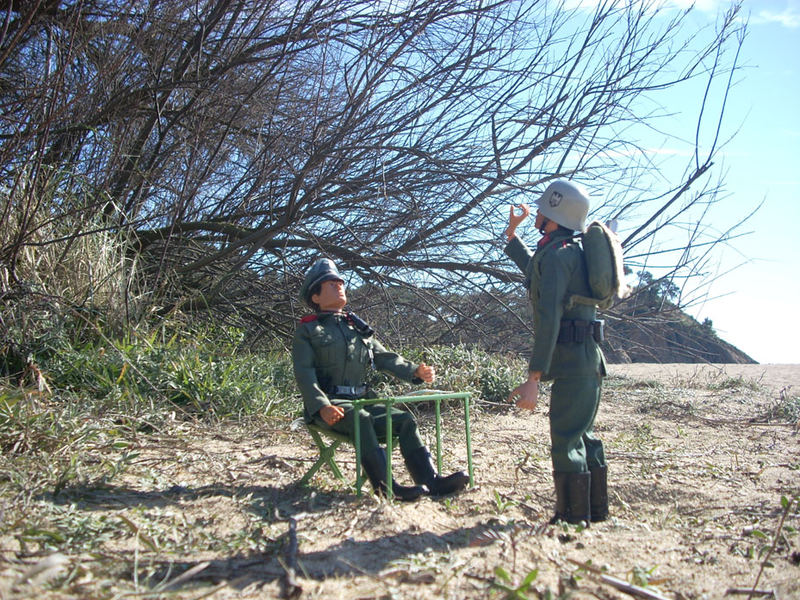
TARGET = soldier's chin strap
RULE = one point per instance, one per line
(545, 222)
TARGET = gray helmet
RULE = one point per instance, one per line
(566, 203)
(322, 270)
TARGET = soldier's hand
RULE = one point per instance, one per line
(331, 414)
(526, 395)
(425, 372)
(515, 219)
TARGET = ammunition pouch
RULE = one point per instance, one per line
(575, 331)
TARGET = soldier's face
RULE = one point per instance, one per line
(543, 224)
(540, 221)
(331, 295)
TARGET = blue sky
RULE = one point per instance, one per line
(753, 306)
(752, 299)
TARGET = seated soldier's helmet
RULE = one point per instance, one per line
(322, 270)
(566, 203)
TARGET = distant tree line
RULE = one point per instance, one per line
(647, 326)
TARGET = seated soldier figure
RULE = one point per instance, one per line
(331, 352)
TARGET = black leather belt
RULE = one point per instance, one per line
(349, 391)
(574, 331)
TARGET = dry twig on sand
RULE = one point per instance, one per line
(624, 586)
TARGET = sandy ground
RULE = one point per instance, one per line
(772, 376)
(700, 458)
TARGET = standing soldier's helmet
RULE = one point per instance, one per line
(322, 270)
(566, 203)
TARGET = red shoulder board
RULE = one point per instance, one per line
(308, 318)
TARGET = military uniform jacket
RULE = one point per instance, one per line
(328, 350)
(556, 271)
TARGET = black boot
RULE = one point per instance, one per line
(423, 470)
(374, 463)
(572, 497)
(561, 482)
(598, 493)
(579, 511)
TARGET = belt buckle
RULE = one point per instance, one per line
(345, 390)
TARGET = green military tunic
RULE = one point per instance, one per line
(555, 272)
(329, 350)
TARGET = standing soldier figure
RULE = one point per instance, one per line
(331, 352)
(565, 349)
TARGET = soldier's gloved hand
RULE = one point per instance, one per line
(331, 414)
(526, 395)
(425, 372)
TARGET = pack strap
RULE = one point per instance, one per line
(576, 299)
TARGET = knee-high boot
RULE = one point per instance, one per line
(374, 464)
(579, 510)
(423, 470)
(598, 493)
(572, 497)
(561, 483)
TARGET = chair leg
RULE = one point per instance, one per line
(326, 457)
(312, 471)
(329, 453)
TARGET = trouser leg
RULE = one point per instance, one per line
(372, 424)
(417, 457)
(576, 451)
(595, 454)
(346, 426)
(596, 462)
(573, 405)
(404, 426)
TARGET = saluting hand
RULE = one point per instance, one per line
(515, 219)
(425, 372)
(331, 414)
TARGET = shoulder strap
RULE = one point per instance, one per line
(360, 324)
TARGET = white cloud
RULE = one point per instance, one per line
(790, 17)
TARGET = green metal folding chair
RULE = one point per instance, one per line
(328, 450)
